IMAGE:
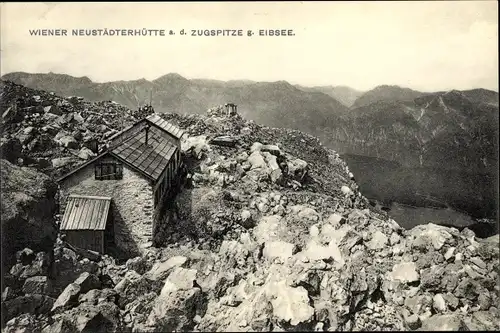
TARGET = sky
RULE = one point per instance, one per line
(423, 45)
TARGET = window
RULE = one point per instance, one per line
(108, 171)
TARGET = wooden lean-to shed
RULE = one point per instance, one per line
(86, 222)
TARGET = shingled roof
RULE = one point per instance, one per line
(149, 158)
(165, 125)
(155, 120)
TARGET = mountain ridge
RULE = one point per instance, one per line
(344, 94)
(386, 93)
(271, 102)
(411, 127)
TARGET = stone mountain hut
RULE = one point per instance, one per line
(118, 198)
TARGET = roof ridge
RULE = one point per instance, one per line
(176, 131)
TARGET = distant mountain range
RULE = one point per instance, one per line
(277, 104)
(450, 130)
(447, 130)
(345, 95)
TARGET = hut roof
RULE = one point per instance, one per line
(149, 158)
(165, 125)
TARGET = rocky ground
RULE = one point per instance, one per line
(270, 233)
(52, 133)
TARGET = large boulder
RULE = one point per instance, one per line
(178, 302)
(297, 168)
(291, 305)
(66, 140)
(195, 145)
(246, 219)
(38, 267)
(52, 109)
(27, 209)
(273, 149)
(87, 281)
(12, 114)
(67, 268)
(138, 264)
(256, 160)
(94, 321)
(225, 140)
(133, 286)
(175, 311)
(85, 153)
(139, 309)
(483, 321)
(449, 322)
(405, 272)
(430, 236)
(68, 298)
(378, 241)
(278, 249)
(161, 270)
(37, 285)
(41, 143)
(33, 304)
(70, 295)
(274, 169)
(179, 279)
(96, 296)
(316, 251)
(87, 318)
(11, 149)
(24, 323)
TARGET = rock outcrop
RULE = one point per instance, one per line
(52, 133)
(28, 207)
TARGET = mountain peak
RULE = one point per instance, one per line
(481, 95)
(171, 76)
(281, 84)
(386, 93)
(390, 87)
(50, 80)
(172, 79)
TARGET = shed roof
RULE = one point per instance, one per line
(86, 213)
